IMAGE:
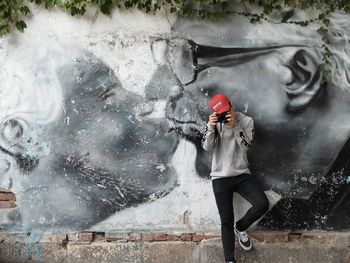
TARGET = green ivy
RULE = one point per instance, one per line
(13, 12)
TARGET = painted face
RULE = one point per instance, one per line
(279, 85)
(103, 153)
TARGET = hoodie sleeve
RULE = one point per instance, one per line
(245, 133)
(209, 138)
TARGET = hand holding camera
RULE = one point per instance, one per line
(222, 111)
(231, 119)
(213, 119)
(222, 117)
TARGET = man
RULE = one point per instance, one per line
(229, 139)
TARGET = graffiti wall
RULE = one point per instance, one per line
(102, 120)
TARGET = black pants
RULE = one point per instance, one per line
(248, 187)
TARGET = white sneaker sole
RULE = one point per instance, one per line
(244, 247)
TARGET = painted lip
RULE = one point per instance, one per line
(185, 128)
(182, 115)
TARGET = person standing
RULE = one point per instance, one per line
(228, 136)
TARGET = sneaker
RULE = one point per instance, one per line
(243, 239)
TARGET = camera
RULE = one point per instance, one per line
(222, 117)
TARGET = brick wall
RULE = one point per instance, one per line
(171, 247)
(7, 199)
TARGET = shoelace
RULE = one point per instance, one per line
(243, 236)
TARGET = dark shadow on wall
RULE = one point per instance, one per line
(327, 208)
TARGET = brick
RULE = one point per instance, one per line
(87, 236)
(7, 204)
(206, 237)
(281, 237)
(293, 237)
(148, 237)
(134, 237)
(321, 239)
(270, 238)
(116, 236)
(259, 237)
(54, 238)
(7, 197)
(99, 237)
(116, 240)
(173, 238)
(73, 237)
(160, 237)
(198, 237)
(211, 235)
(186, 237)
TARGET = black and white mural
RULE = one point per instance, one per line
(102, 127)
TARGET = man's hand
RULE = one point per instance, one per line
(231, 120)
(213, 119)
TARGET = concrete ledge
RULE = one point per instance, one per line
(164, 247)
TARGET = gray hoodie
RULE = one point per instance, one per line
(229, 146)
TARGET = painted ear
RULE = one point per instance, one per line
(306, 81)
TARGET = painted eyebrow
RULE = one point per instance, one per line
(226, 56)
(203, 51)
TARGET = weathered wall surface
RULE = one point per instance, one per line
(320, 247)
(102, 118)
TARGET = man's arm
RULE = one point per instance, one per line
(245, 133)
(209, 138)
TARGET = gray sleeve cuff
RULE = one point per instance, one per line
(210, 128)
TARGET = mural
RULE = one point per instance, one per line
(98, 155)
(78, 146)
(301, 117)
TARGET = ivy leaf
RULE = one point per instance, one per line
(21, 25)
(287, 15)
(24, 10)
(128, 4)
(321, 16)
(224, 5)
(4, 29)
(36, 1)
(106, 7)
(268, 9)
(7, 13)
(346, 8)
(326, 22)
(74, 11)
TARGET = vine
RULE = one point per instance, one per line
(14, 12)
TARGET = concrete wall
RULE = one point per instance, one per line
(102, 118)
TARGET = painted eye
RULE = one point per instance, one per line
(12, 130)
